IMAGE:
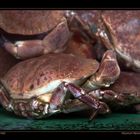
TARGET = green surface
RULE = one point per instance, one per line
(71, 122)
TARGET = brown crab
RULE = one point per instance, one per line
(118, 30)
(30, 33)
(38, 87)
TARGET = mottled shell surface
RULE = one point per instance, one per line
(29, 77)
(124, 28)
(29, 22)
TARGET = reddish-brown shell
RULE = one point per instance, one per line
(124, 27)
(35, 73)
(28, 22)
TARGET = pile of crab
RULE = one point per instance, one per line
(71, 61)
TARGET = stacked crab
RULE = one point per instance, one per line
(75, 61)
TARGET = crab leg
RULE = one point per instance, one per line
(124, 99)
(4, 99)
(108, 96)
(108, 72)
(89, 100)
(73, 105)
(76, 105)
(24, 49)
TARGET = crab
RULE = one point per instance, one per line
(42, 86)
(118, 30)
(31, 33)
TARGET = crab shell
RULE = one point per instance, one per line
(124, 32)
(29, 22)
(37, 76)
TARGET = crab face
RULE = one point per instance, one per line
(38, 87)
(30, 33)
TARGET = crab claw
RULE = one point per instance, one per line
(24, 49)
(54, 41)
(108, 72)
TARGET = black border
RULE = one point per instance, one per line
(45, 135)
(68, 4)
